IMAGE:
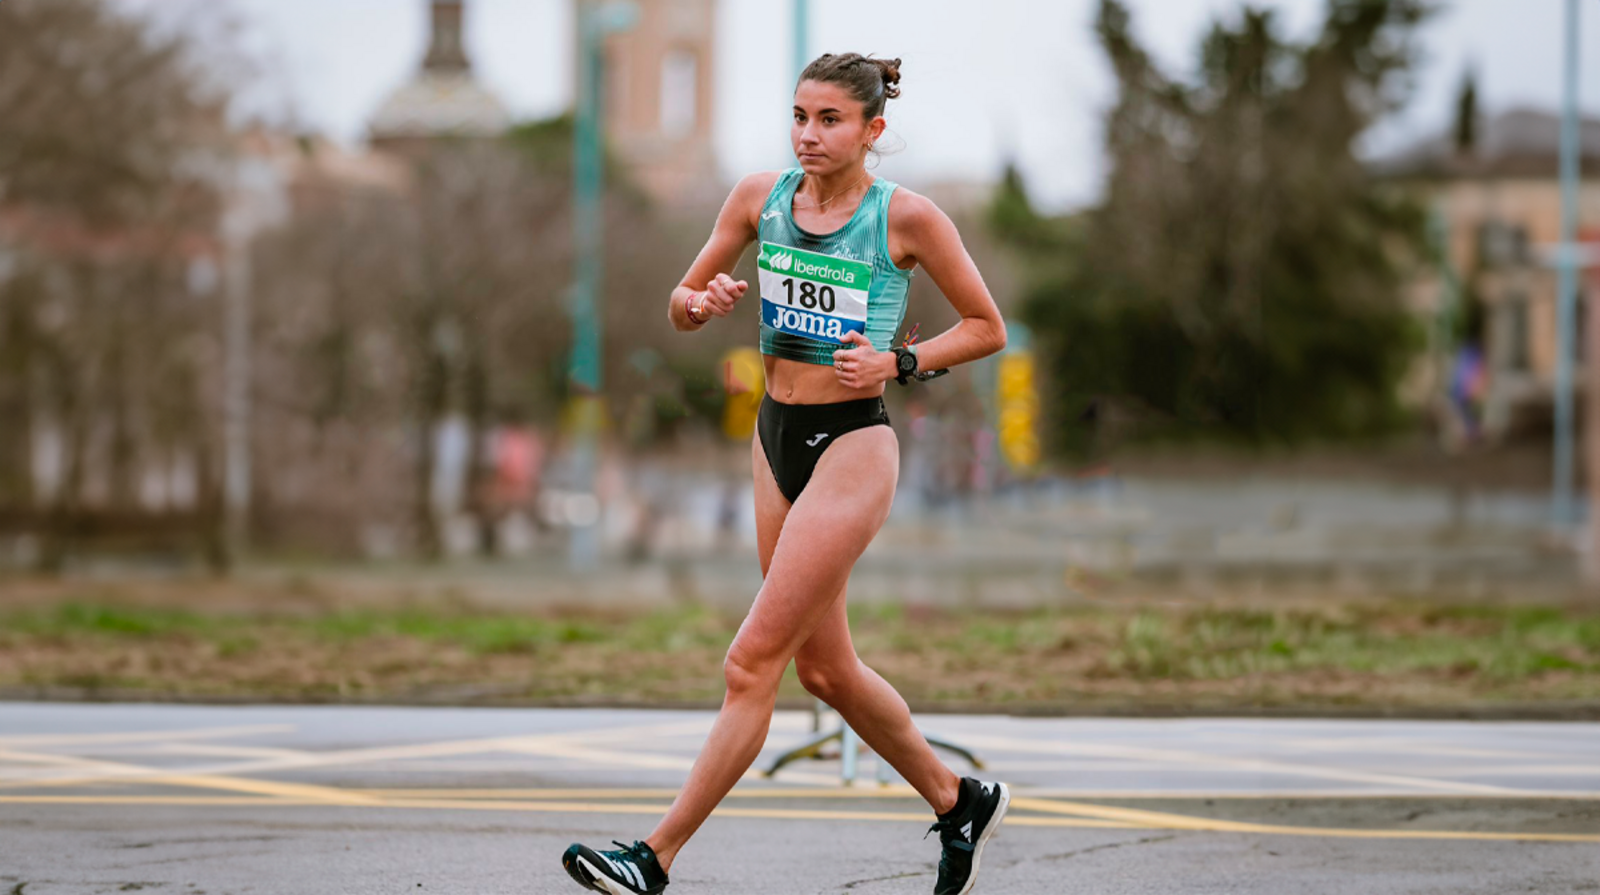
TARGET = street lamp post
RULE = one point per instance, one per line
(595, 21)
(1562, 508)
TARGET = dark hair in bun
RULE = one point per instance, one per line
(871, 81)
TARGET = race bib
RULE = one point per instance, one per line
(820, 297)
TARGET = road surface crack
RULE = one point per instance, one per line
(879, 879)
(1107, 845)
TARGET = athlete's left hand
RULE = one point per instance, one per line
(861, 366)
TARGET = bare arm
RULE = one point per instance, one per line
(734, 231)
(920, 231)
(926, 233)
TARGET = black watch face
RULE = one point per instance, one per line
(908, 362)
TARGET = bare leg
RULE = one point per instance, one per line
(831, 671)
(814, 544)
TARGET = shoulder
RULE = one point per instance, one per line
(913, 213)
(746, 199)
(755, 187)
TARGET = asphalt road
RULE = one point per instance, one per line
(204, 800)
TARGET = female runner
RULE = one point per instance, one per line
(837, 247)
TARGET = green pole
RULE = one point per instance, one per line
(802, 36)
(584, 365)
(595, 21)
(1567, 298)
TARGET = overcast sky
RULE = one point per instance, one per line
(983, 80)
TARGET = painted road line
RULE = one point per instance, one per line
(1167, 821)
(216, 801)
(365, 754)
(35, 740)
(1171, 794)
(202, 781)
(1251, 765)
(906, 792)
(655, 761)
(1082, 816)
(226, 751)
(1399, 746)
(45, 763)
(548, 808)
(1528, 770)
(740, 792)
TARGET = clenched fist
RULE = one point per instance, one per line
(720, 296)
(861, 366)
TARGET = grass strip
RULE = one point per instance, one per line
(1393, 654)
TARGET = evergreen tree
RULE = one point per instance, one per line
(1243, 275)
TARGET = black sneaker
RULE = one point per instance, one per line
(964, 835)
(631, 870)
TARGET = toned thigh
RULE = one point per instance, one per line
(771, 506)
(818, 540)
(829, 646)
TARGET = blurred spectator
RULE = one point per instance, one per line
(517, 457)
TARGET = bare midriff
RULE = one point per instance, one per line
(795, 382)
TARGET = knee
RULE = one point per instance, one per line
(747, 672)
(825, 681)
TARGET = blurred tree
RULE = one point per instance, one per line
(111, 141)
(401, 295)
(441, 300)
(1242, 277)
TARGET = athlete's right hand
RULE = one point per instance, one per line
(721, 294)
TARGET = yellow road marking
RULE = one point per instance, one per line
(226, 751)
(1166, 821)
(1196, 794)
(122, 772)
(156, 800)
(368, 754)
(51, 759)
(1084, 816)
(197, 733)
(652, 761)
(1254, 765)
(546, 807)
(327, 794)
(609, 756)
(888, 792)
(900, 791)
(579, 744)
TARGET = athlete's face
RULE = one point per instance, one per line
(829, 131)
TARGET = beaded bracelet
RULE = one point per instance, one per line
(688, 311)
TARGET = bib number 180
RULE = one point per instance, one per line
(810, 296)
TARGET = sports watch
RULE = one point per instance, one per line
(905, 363)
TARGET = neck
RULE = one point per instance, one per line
(835, 185)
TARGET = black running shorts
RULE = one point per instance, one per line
(795, 435)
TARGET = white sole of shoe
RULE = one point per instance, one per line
(605, 882)
(988, 833)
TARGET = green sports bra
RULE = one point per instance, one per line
(816, 287)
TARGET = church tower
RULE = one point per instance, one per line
(443, 99)
(657, 99)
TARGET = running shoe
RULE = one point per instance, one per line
(963, 836)
(630, 870)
